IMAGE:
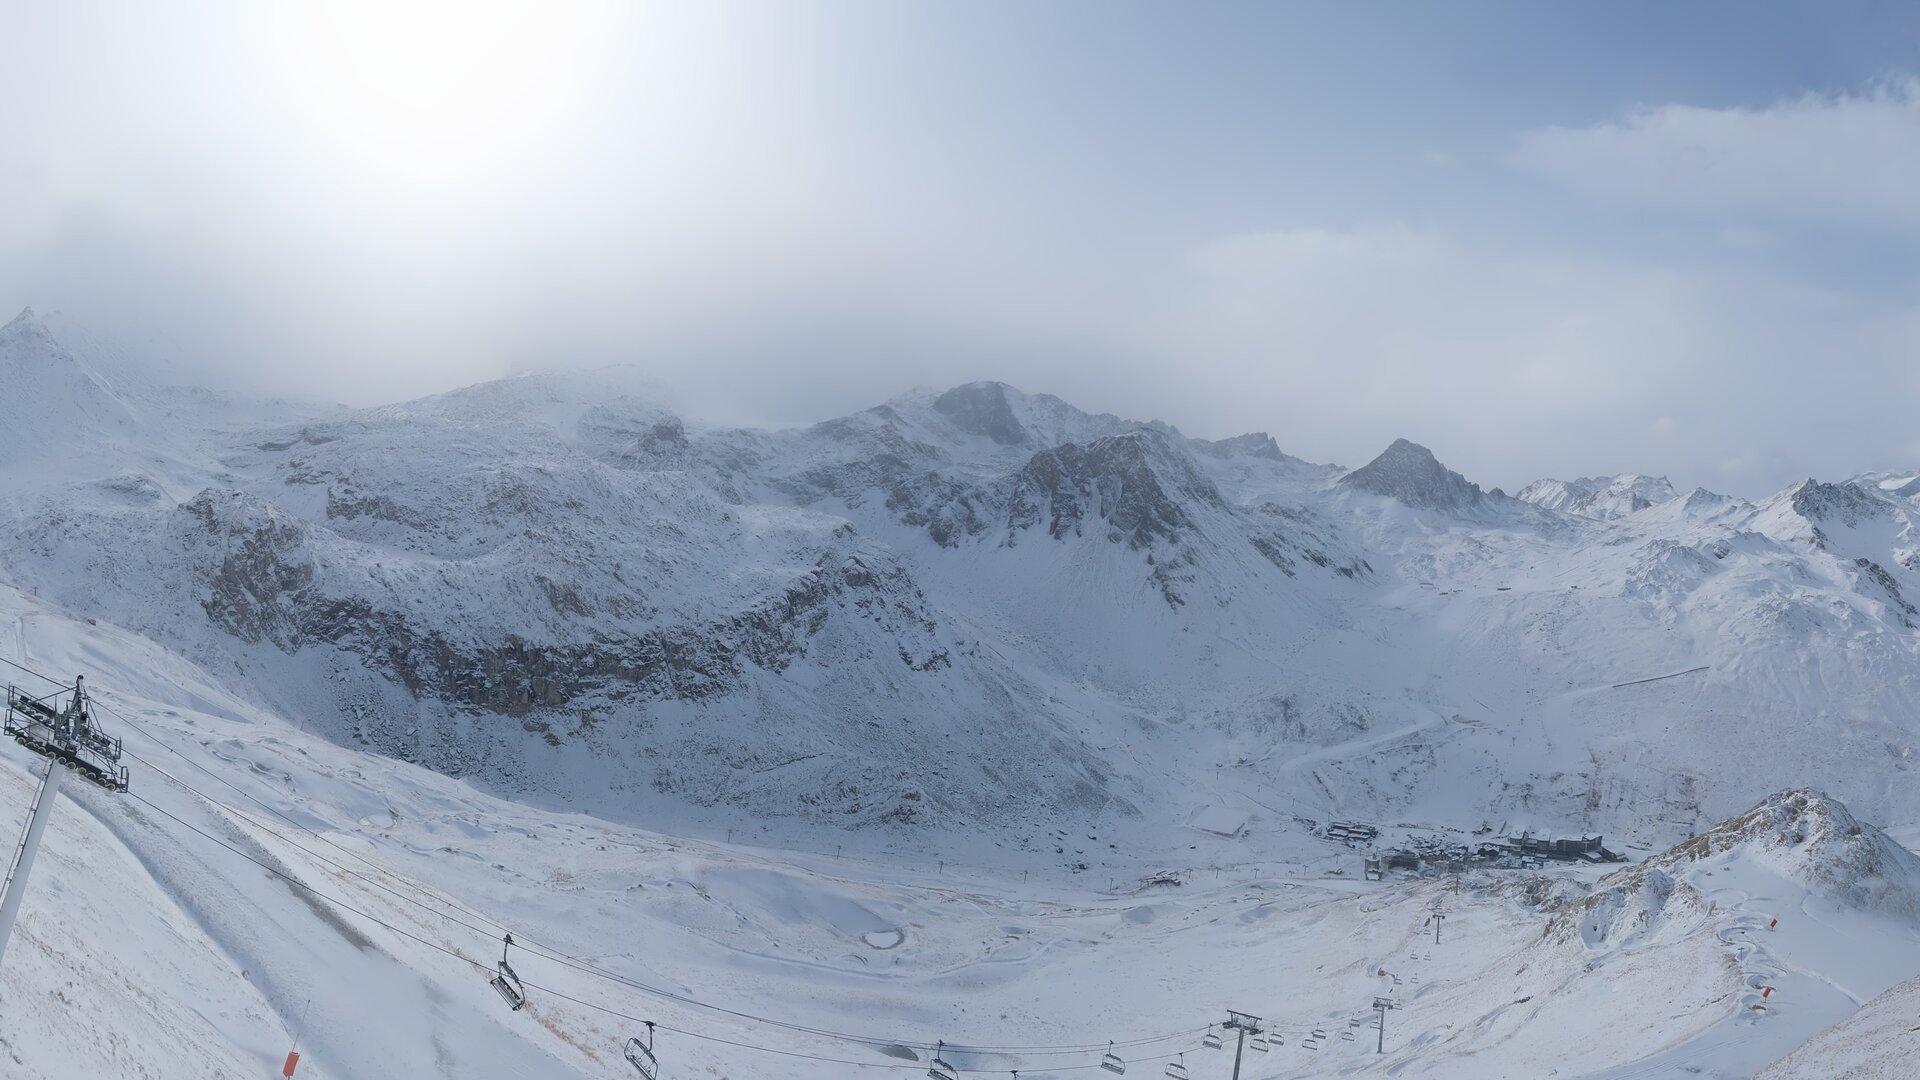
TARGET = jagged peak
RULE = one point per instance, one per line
(1253, 444)
(25, 324)
(1409, 472)
(1820, 502)
(1701, 499)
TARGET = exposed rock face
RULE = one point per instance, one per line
(982, 409)
(1841, 504)
(268, 585)
(1128, 486)
(1253, 444)
(1409, 472)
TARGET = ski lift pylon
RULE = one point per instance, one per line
(511, 989)
(937, 1068)
(66, 732)
(640, 1055)
(1111, 1061)
(1177, 1070)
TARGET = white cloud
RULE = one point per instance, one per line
(1851, 160)
(1514, 365)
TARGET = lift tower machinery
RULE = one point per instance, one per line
(61, 728)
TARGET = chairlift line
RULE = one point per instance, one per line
(457, 955)
(940, 1070)
(539, 950)
(543, 951)
(73, 729)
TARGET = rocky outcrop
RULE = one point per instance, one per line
(1409, 473)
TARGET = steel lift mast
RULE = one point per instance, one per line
(69, 738)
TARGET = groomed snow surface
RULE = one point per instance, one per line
(146, 949)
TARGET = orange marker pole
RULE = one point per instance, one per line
(293, 1052)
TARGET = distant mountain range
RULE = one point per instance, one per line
(977, 608)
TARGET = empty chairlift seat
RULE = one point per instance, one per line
(937, 1068)
(640, 1055)
(506, 983)
(1111, 1062)
(1257, 1042)
(1177, 1070)
(1211, 1040)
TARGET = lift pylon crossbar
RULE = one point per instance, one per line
(66, 735)
(62, 727)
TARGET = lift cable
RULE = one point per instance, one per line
(456, 954)
(544, 952)
(537, 948)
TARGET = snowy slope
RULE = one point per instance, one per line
(144, 945)
(1876, 1043)
(915, 717)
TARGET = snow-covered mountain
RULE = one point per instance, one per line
(1599, 496)
(976, 608)
(1066, 695)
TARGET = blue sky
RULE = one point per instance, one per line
(1540, 238)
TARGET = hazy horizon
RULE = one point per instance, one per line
(1542, 242)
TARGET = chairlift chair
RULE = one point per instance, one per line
(511, 989)
(1211, 1040)
(1177, 1070)
(1257, 1042)
(937, 1068)
(1111, 1061)
(640, 1055)
(1347, 1035)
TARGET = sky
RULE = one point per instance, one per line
(1541, 239)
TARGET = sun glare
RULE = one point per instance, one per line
(432, 88)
